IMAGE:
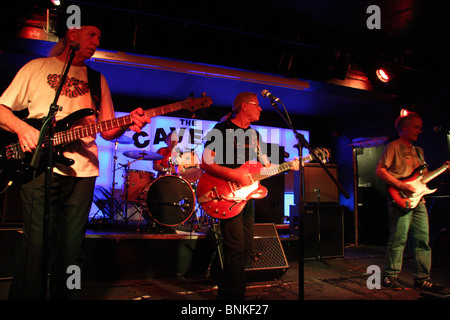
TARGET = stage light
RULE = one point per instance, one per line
(382, 75)
(56, 2)
(404, 113)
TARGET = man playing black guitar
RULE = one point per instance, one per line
(34, 88)
(400, 160)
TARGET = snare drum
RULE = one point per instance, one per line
(188, 166)
(136, 180)
(170, 200)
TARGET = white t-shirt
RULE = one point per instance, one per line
(34, 87)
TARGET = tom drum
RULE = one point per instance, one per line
(136, 181)
(188, 166)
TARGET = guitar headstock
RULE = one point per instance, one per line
(322, 153)
(194, 104)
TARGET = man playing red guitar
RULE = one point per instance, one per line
(399, 160)
(230, 144)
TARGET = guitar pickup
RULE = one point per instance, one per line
(233, 187)
(232, 199)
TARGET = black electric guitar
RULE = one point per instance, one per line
(15, 164)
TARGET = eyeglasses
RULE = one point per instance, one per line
(255, 103)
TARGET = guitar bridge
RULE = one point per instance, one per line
(14, 152)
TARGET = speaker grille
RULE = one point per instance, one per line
(270, 254)
(270, 261)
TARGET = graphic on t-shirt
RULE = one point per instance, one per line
(72, 88)
(411, 159)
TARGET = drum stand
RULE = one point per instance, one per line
(125, 210)
(141, 210)
(153, 226)
(116, 209)
(204, 219)
(194, 219)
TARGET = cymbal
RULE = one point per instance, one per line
(122, 140)
(145, 155)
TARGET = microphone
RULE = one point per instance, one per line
(75, 46)
(267, 94)
(442, 129)
(184, 204)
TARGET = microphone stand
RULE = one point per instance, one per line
(47, 130)
(302, 143)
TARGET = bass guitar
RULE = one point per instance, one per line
(15, 164)
(418, 179)
(222, 199)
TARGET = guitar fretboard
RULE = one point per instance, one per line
(68, 136)
(434, 174)
(268, 172)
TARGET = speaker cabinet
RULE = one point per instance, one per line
(11, 206)
(323, 230)
(317, 184)
(271, 208)
(270, 261)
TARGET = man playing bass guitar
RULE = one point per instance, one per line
(33, 88)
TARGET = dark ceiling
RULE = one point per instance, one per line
(311, 40)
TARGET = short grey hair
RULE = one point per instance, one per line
(403, 121)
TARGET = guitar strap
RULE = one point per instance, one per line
(94, 79)
(420, 155)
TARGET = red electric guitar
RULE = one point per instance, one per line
(222, 199)
(418, 179)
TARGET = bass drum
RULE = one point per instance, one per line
(170, 200)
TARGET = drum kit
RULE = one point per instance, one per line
(168, 200)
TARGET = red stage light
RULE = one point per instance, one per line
(404, 113)
(382, 75)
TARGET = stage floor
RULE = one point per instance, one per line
(342, 278)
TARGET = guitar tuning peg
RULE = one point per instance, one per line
(203, 94)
